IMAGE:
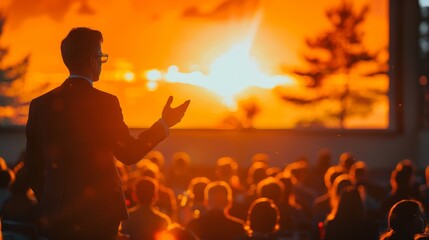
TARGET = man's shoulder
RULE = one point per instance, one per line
(59, 91)
(104, 94)
(42, 99)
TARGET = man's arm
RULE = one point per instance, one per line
(133, 150)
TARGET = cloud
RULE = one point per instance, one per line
(21, 10)
(225, 10)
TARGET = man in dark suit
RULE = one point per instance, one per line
(74, 133)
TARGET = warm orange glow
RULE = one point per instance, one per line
(129, 76)
(230, 74)
(214, 60)
(164, 236)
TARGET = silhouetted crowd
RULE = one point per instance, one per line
(320, 201)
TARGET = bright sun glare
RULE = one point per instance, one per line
(230, 74)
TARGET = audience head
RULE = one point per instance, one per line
(80, 50)
(181, 162)
(218, 195)
(226, 168)
(406, 218)
(288, 187)
(403, 175)
(148, 169)
(260, 157)
(196, 188)
(271, 188)
(257, 172)
(157, 158)
(350, 206)
(297, 170)
(346, 161)
(340, 183)
(358, 172)
(146, 191)
(263, 216)
(273, 171)
(331, 174)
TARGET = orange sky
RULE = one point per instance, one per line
(143, 35)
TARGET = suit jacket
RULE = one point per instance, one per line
(73, 134)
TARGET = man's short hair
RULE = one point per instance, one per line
(78, 47)
(263, 216)
(146, 190)
(271, 188)
(218, 190)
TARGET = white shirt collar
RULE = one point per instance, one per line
(83, 77)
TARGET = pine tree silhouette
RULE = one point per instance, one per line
(338, 51)
(11, 83)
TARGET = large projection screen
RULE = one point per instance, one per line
(245, 64)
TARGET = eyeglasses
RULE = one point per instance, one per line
(103, 57)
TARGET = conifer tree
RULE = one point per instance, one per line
(12, 76)
(338, 51)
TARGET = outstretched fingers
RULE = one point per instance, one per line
(184, 106)
(169, 101)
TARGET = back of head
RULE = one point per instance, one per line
(358, 172)
(340, 183)
(331, 174)
(157, 158)
(181, 161)
(218, 195)
(196, 188)
(226, 167)
(346, 161)
(260, 157)
(403, 174)
(78, 46)
(401, 179)
(257, 172)
(263, 216)
(146, 191)
(147, 168)
(288, 186)
(405, 165)
(271, 188)
(298, 169)
(407, 217)
(350, 207)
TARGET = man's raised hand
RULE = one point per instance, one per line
(172, 116)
